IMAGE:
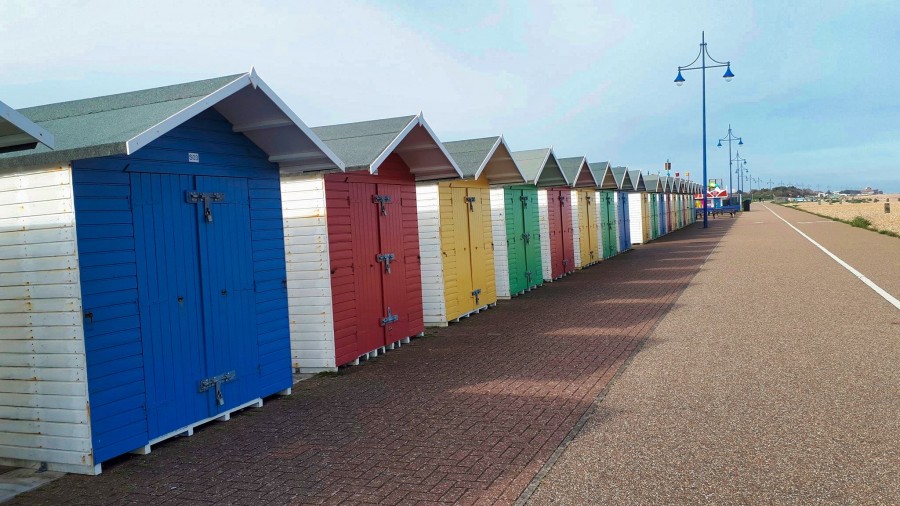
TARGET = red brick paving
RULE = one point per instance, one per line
(467, 415)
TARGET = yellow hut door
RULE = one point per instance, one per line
(585, 238)
(482, 256)
(461, 277)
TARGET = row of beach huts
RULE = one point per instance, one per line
(173, 255)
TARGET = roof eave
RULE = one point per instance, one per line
(500, 180)
(30, 132)
(417, 120)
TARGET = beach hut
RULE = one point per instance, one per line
(354, 273)
(584, 209)
(541, 169)
(516, 225)
(639, 209)
(623, 215)
(142, 268)
(456, 231)
(608, 186)
(652, 182)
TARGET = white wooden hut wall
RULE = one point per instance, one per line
(498, 232)
(544, 224)
(43, 390)
(434, 305)
(308, 272)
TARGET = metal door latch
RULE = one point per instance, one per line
(387, 258)
(587, 198)
(216, 382)
(382, 200)
(528, 277)
(562, 199)
(565, 262)
(471, 202)
(526, 237)
(207, 199)
(524, 200)
(390, 318)
(476, 293)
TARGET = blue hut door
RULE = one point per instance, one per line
(196, 296)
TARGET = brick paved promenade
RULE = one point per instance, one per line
(466, 415)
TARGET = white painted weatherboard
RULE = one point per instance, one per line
(544, 225)
(44, 412)
(434, 305)
(498, 233)
(576, 233)
(599, 225)
(308, 272)
(634, 213)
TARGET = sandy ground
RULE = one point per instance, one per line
(872, 211)
(775, 380)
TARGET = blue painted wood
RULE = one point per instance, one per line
(141, 247)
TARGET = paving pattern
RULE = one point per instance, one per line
(469, 414)
(774, 380)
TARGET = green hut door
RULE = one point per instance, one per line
(523, 239)
(608, 224)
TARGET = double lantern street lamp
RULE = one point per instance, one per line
(679, 80)
(729, 139)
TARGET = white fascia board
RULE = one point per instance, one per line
(488, 157)
(261, 85)
(440, 145)
(27, 126)
(500, 142)
(418, 120)
(154, 132)
(537, 177)
(373, 167)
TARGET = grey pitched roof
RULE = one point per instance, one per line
(652, 182)
(487, 156)
(360, 144)
(123, 123)
(623, 180)
(578, 172)
(540, 167)
(603, 175)
(364, 145)
(18, 133)
(637, 179)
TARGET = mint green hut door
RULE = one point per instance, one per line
(523, 238)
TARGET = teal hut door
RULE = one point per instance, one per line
(607, 224)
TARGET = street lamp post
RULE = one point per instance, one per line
(729, 138)
(679, 80)
(739, 172)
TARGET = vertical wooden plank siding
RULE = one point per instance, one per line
(636, 220)
(429, 226)
(308, 264)
(577, 223)
(499, 238)
(43, 381)
(544, 217)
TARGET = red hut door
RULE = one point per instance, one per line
(568, 236)
(392, 261)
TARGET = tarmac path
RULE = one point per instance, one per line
(466, 415)
(774, 380)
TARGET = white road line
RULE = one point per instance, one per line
(880, 291)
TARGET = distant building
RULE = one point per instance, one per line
(868, 190)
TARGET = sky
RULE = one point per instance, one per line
(815, 98)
